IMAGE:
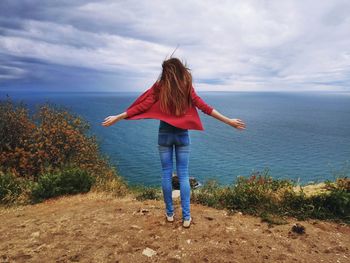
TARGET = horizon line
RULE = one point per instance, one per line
(210, 91)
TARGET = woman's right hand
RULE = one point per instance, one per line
(110, 120)
(236, 123)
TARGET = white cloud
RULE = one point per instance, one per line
(230, 45)
(11, 72)
(63, 44)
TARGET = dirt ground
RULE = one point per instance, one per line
(99, 228)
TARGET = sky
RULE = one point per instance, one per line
(239, 45)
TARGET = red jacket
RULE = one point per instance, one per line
(147, 107)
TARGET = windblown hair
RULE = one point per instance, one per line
(175, 84)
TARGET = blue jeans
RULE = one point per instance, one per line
(171, 138)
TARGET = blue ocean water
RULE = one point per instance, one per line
(302, 136)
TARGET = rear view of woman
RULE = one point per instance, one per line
(173, 100)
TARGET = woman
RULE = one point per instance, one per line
(173, 100)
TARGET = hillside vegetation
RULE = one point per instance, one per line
(51, 153)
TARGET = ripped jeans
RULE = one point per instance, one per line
(171, 138)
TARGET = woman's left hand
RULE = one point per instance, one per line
(110, 120)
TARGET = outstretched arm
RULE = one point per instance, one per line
(143, 103)
(236, 123)
(147, 101)
(200, 103)
(113, 119)
(209, 110)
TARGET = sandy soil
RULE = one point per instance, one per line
(99, 228)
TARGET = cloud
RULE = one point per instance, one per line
(234, 45)
(9, 72)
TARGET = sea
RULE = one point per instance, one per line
(303, 136)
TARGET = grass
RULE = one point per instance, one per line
(275, 199)
(142, 193)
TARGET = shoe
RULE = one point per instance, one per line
(170, 218)
(187, 223)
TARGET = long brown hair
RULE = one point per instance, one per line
(175, 83)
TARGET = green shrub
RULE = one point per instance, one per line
(342, 183)
(253, 195)
(296, 204)
(114, 185)
(10, 188)
(145, 193)
(273, 199)
(272, 219)
(335, 204)
(209, 194)
(67, 181)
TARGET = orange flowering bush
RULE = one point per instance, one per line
(49, 140)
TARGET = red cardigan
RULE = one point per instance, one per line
(147, 107)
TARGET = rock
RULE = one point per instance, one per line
(194, 183)
(298, 228)
(175, 182)
(336, 249)
(176, 194)
(75, 258)
(149, 252)
(188, 241)
(135, 227)
(230, 228)
(141, 211)
(35, 234)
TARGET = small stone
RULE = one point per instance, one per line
(135, 227)
(298, 228)
(188, 241)
(35, 234)
(230, 228)
(143, 210)
(149, 252)
(176, 194)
